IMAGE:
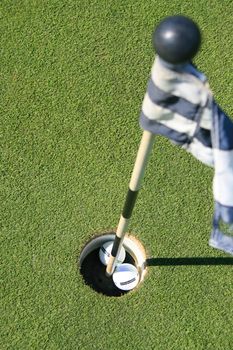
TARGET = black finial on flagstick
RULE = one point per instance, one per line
(177, 39)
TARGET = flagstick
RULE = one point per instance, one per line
(143, 154)
(172, 42)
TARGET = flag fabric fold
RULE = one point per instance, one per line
(179, 105)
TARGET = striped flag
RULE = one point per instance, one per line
(179, 105)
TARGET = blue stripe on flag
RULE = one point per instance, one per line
(204, 136)
(158, 128)
(174, 103)
(223, 212)
(223, 129)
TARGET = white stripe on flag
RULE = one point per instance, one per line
(223, 177)
(206, 118)
(201, 152)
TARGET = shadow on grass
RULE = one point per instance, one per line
(208, 261)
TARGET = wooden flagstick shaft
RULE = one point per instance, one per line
(143, 154)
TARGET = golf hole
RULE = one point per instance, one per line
(93, 271)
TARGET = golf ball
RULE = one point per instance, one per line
(105, 253)
(126, 276)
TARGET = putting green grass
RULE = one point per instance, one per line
(73, 76)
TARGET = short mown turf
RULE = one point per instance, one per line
(73, 76)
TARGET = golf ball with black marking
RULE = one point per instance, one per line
(126, 276)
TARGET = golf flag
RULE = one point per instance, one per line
(179, 105)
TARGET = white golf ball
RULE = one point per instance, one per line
(105, 253)
(125, 276)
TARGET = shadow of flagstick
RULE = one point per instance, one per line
(189, 261)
